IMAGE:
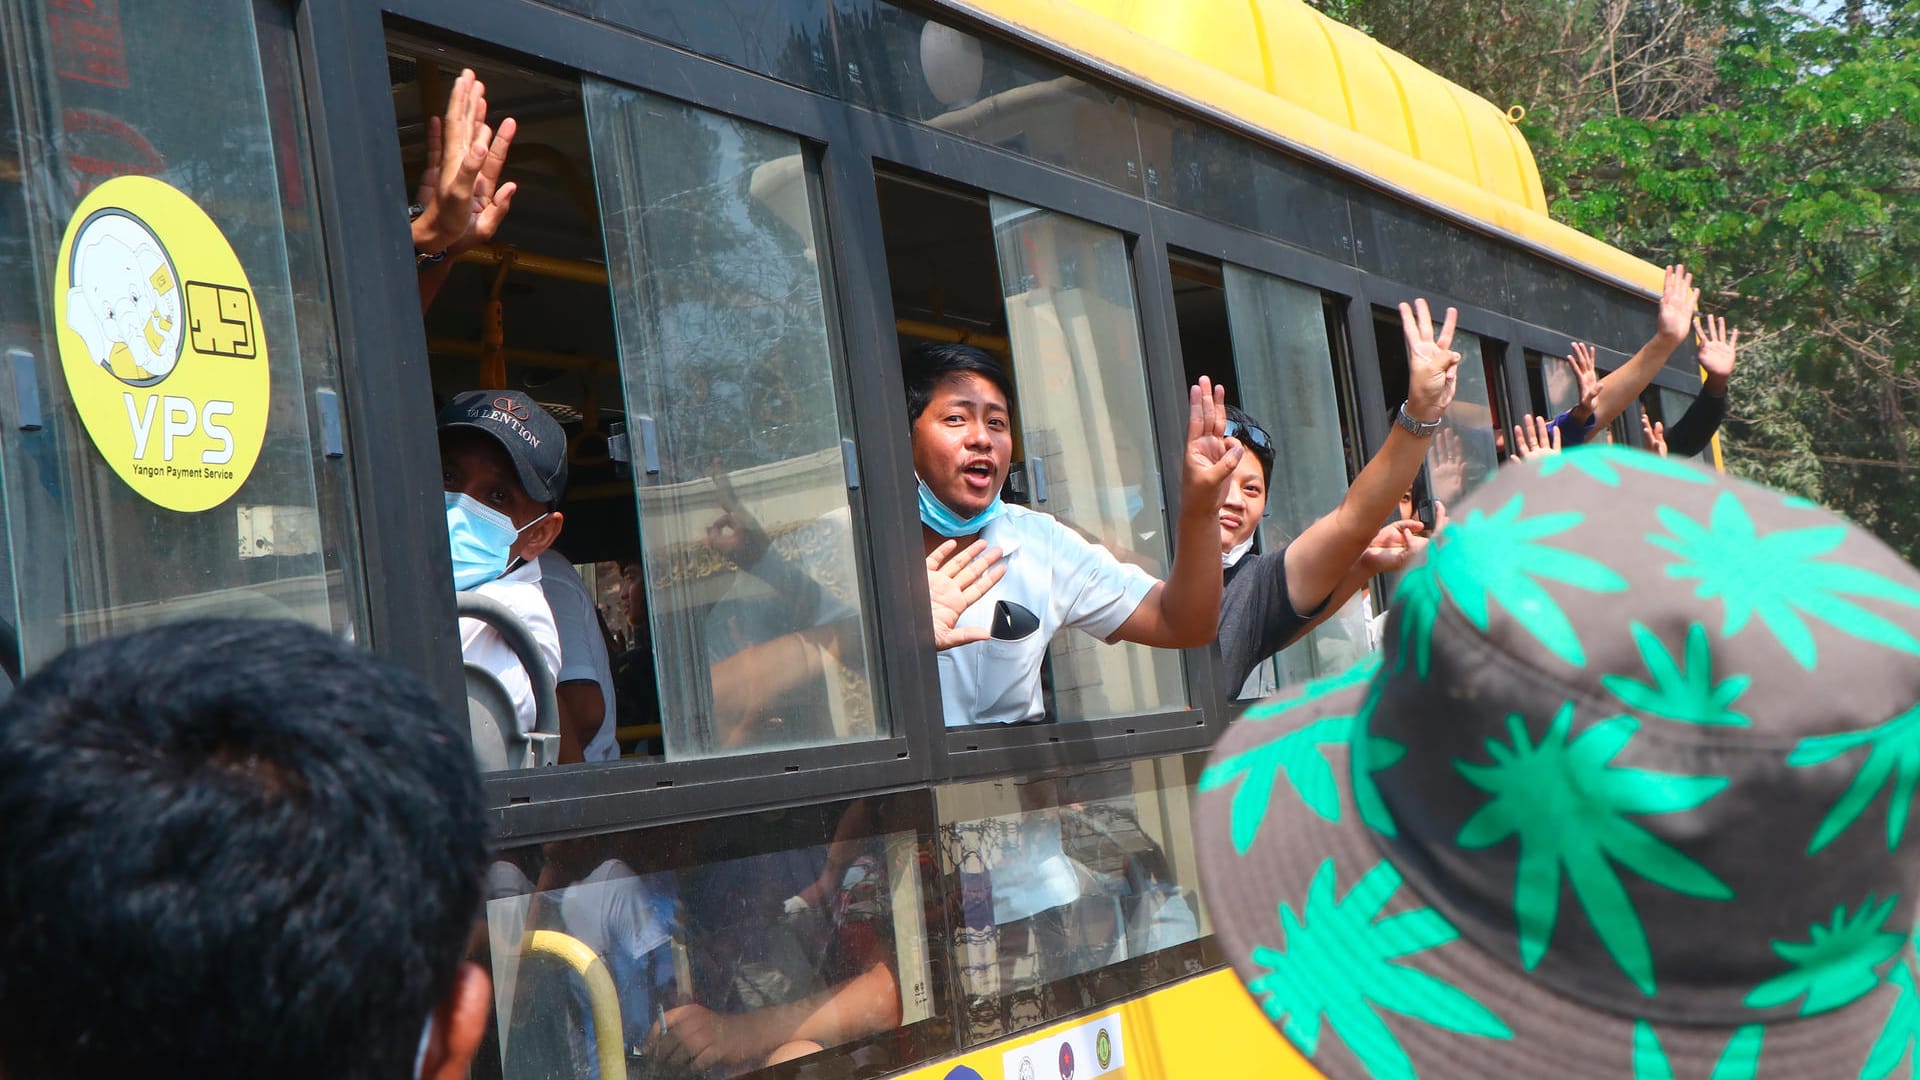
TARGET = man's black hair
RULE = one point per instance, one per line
(926, 365)
(231, 848)
(1263, 456)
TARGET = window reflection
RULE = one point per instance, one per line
(1080, 371)
(755, 616)
(1067, 892)
(1282, 362)
(728, 946)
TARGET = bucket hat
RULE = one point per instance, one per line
(1624, 795)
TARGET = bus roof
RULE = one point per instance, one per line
(1284, 70)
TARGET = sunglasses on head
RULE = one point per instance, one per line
(1251, 435)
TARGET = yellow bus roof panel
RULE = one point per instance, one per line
(1283, 67)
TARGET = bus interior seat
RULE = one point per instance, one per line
(490, 713)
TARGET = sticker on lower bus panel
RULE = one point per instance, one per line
(1085, 1051)
(161, 343)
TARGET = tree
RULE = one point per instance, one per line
(1774, 150)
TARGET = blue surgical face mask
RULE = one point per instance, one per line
(935, 514)
(481, 538)
(1135, 500)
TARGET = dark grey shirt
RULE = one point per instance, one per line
(1256, 618)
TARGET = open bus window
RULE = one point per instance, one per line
(1465, 451)
(1051, 297)
(729, 947)
(1068, 892)
(1271, 342)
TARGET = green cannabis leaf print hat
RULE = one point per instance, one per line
(1625, 795)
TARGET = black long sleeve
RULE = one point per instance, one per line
(1693, 431)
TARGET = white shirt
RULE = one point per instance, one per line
(583, 650)
(482, 645)
(1064, 580)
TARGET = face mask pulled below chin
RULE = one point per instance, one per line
(1239, 551)
(936, 515)
(481, 539)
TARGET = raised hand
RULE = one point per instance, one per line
(1447, 466)
(736, 535)
(462, 200)
(1656, 434)
(1584, 372)
(1393, 548)
(955, 583)
(1211, 455)
(1717, 350)
(1433, 368)
(1533, 438)
(1678, 298)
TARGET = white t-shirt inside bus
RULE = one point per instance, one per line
(1064, 580)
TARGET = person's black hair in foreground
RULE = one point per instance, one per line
(926, 365)
(233, 848)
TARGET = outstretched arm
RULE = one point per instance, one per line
(1691, 433)
(1183, 611)
(1623, 385)
(461, 198)
(1322, 555)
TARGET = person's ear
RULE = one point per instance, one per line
(459, 1023)
(539, 536)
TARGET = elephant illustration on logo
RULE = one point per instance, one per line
(123, 298)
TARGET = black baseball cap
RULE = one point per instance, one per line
(531, 436)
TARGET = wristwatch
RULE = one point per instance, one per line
(1422, 429)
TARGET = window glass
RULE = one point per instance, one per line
(751, 941)
(1080, 374)
(901, 63)
(1463, 453)
(109, 91)
(1282, 359)
(1071, 891)
(1674, 405)
(748, 527)
(1562, 386)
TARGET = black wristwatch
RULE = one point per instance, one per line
(422, 260)
(1421, 429)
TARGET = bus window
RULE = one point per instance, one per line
(1080, 371)
(1465, 452)
(1052, 298)
(1072, 891)
(749, 531)
(174, 471)
(1277, 353)
(529, 312)
(741, 942)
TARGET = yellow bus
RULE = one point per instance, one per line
(731, 220)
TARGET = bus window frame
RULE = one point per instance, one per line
(343, 45)
(976, 752)
(388, 387)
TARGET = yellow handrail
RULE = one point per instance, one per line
(609, 1036)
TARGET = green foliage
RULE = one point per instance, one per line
(1773, 148)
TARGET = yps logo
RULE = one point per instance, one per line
(161, 344)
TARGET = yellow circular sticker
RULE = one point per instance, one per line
(161, 343)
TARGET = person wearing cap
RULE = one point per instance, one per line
(503, 462)
(1625, 796)
(1272, 598)
(1003, 579)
